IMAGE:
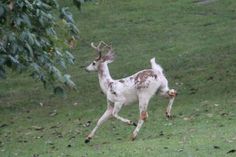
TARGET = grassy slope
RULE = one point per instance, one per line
(196, 46)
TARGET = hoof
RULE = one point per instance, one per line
(134, 124)
(133, 137)
(168, 115)
(87, 140)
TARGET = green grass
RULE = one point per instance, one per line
(195, 44)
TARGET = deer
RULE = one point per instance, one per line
(139, 87)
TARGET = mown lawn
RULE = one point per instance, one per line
(194, 41)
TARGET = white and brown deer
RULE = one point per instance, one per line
(140, 87)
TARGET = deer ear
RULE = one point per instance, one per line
(109, 61)
(109, 57)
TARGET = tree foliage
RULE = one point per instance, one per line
(30, 40)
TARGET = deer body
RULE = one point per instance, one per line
(140, 87)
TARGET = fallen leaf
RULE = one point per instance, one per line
(216, 147)
(54, 127)
(41, 104)
(180, 150)
(49, 142)
(28, 117)
(53, 113)
(3, 125)
(38, 137)
(75, 104)
(161, 133)
(72, 137)
(53, 147)
(28, 133)
(38, 128)
(187, 118)
(87, 124)
(105, 142)
(224, 114)
(210, 115)
(58, 134)
(119, 139)
(231, 151)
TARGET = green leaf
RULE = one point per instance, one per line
(28, 5)
(2, 72)
(30, 50)
(54, 3)
(77, 3)
(26, 36)
(74, 30)
(14, 60)
(62, 63)
(58, 52)
(36, 67)
(26, 20)
(66, 14)
(2, 11)
(70, 57)
(57, 73)
(69, 82)
(51, 32)
(2, 60)
(2, 49)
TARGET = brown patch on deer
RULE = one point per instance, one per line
(144, 115)
(100, 70)
(110, 86)
(110, 56)
(121, 81)
(97, 59)
(172, 93)
(142, 77)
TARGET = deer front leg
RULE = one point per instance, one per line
(143, 117)
(107, 114)
(116, 110)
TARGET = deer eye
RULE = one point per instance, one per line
(94, 63)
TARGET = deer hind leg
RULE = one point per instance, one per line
(169, 107)
(117, 108)
(107, 114)
(143, 104)
(170, 94)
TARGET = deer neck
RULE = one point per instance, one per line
(104, 77)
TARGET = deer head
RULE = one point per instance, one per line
(107, 58)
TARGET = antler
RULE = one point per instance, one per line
(99, 49)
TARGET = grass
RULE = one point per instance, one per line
(195, 44)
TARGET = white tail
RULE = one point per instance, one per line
(156, 66)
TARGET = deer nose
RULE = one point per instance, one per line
(86, 70)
